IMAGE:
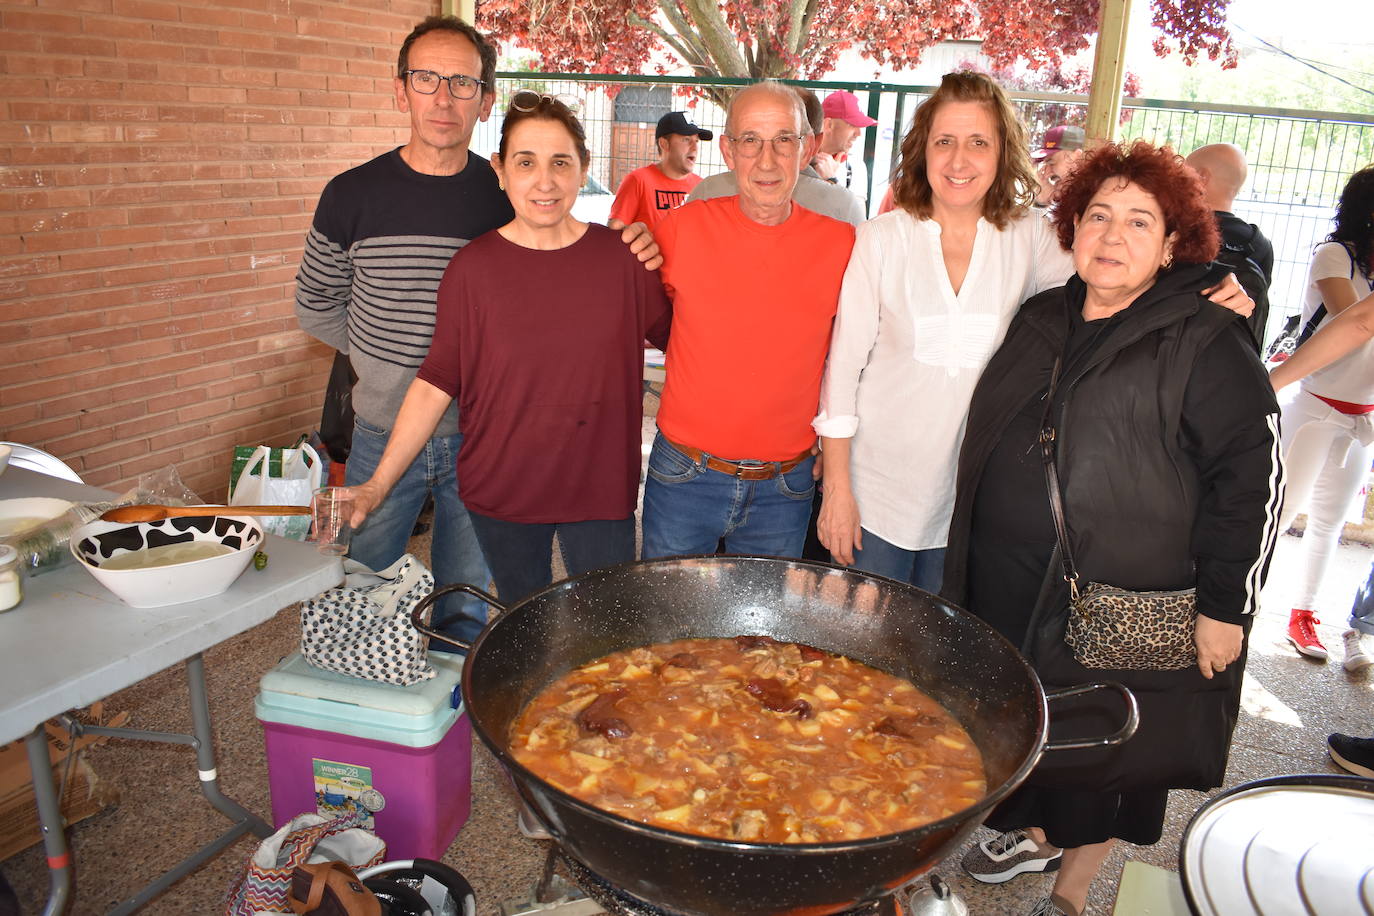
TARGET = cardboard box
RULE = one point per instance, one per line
(85, 793)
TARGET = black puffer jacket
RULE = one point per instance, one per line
(1168, 459)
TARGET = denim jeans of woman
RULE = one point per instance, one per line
(521, 554)
(455, 555)
(921, 568)
(689, 508)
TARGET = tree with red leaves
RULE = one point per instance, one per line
(803, 38)
(1041, 116)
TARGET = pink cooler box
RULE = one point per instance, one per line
(404, 753)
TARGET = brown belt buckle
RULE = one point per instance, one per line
(743, 466)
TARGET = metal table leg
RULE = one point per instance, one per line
(244, 820)
(205, 752)
(50, 817)
(202, 739)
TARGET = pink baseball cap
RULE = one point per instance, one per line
(1065, 136)
(845, 106)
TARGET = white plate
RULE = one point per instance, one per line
(18, 516)
(5, 452)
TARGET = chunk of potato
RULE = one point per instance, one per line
(576, 705)
(676, 815)
(588, 762)
(705, 768)
(867, 752)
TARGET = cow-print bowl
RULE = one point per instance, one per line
(96, 543)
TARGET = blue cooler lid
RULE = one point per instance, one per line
(297, 693)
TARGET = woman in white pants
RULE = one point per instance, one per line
(1350, 330)
(1328, 429)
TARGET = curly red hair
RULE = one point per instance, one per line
(1161, 172)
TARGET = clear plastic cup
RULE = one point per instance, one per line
(331, 507)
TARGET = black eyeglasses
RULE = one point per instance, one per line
(426, 82)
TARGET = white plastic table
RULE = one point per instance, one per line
(71, 642)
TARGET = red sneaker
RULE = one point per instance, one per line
(1302, 633)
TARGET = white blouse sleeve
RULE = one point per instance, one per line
(851, 340)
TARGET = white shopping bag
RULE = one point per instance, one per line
(278, 477)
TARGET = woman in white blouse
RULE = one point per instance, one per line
(927, 297)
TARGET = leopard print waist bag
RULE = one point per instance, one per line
(1111, 627)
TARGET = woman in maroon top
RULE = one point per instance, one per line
(538, 335)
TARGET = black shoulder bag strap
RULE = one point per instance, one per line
(1061, 528)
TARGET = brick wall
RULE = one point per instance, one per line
(161, 162)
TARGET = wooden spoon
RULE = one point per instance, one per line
(150, 513)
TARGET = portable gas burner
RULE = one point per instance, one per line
(585, 893)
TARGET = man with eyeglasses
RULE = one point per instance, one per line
(754, 280)
(812, 192)
(382, 235)
(647, 194)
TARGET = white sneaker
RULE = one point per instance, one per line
(1008, 855)
(1356, 659)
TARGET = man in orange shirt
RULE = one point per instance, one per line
(647, 194)
(755, 280)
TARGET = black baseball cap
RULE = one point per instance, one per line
(675, 122)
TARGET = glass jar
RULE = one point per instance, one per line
(11, 588)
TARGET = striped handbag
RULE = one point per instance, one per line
(264, 884)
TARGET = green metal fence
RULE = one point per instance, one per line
(1299, 160)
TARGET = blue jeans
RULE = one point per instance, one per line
(921, 568)
(689, 508)
(521, 554)
(1362, 609)
(454, 553)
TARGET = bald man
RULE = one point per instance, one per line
(1222, 169)
(812, 192)
(735, 450)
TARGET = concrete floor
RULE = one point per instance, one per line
(1291, 704)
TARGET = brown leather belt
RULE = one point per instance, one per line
(744, 470)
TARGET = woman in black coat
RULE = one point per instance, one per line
(1167, 456)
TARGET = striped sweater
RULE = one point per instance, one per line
(382, 236)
